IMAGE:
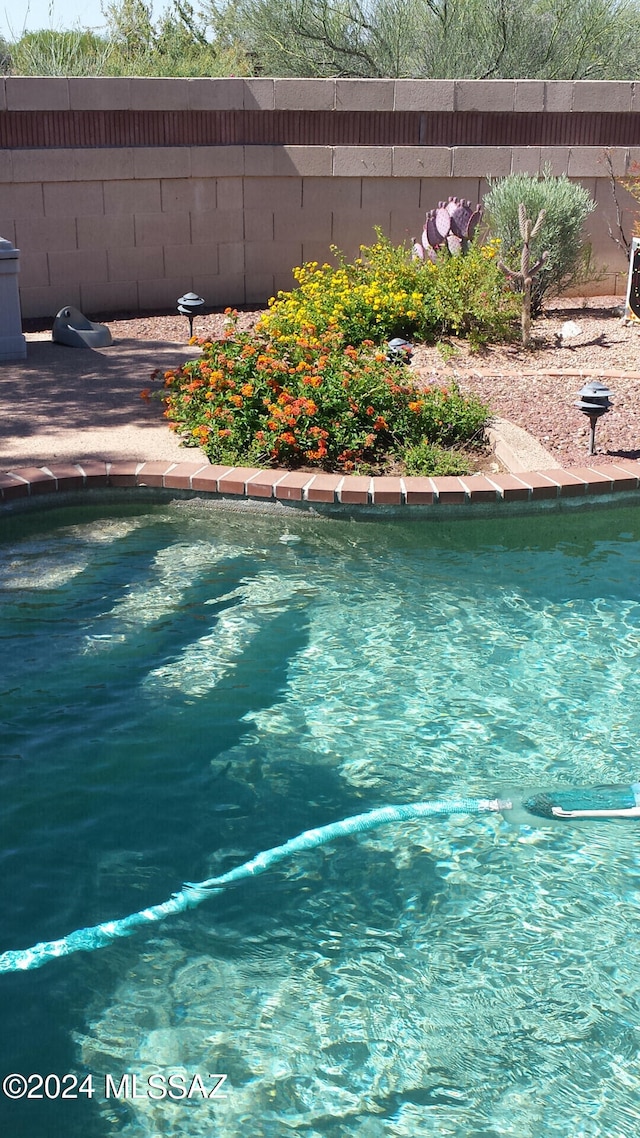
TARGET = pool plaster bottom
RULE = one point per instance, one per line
(432, 498)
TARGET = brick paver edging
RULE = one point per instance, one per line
(347, 490)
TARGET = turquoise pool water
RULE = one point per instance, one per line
(182, 688)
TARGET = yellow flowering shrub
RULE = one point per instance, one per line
(385, 293)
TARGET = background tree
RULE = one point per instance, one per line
(474, 39)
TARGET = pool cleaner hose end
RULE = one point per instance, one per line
(593, 802)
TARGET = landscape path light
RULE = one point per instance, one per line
(399, 351)
(190, 305)
(594, 401)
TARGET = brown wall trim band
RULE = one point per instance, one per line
(112, 128)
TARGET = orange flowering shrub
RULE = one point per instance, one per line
(311, 401)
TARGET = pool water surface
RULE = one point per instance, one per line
(183, 687)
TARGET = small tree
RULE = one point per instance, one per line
(566, 207)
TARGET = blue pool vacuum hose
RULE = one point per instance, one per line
(595, 802)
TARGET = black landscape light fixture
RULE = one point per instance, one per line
(399, 351)
(190, 305)
(594, 401)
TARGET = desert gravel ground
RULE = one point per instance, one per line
(536, 388)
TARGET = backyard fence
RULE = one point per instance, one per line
(123, 194)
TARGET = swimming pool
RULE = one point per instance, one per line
(183, 688)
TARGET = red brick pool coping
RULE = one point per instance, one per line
(345, 490)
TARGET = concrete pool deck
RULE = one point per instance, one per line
(73, 419)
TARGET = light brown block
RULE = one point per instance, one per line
(362, 161)
(220, 291)
(46, 300)
(161, 161)
(73, 199)
(99, 93)
(162, 229)
(132, 263)
(34, 269)
(485, 94)
(385, 193)
(97, 297)
(319, 251)
(217, 225)
(36, 93)
(259, 287)
(153, 473)
(556, 158)
(350, 230)
(161, 293)
(185, 260)
(128, 198)
(77, 266)
(263, 485)
(270, 193)
(364, 94)
(421, 161)
(485, 161)
(229, 193)
(103, 232)
(258, 224)
(529, 95)
(588, 162)
(97, 164)
(231, 259)
(525, 159)
(602, 95)
(8, 231)
(558, 95)
(159, 94)
(43, 165)
(19, 200)
(187, 195)
(424, 95)
(215, 94)
(6, 167)
(216, 161)
(283, 279)
(304, 94)
(259, 94)
(307, 161)
(303, 224)
(46, 234)
(331, 193)
(272, 256)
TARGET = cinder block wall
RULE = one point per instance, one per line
(122, 194)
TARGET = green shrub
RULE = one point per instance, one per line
(311, 401)
(470, 298)
(386, 293)
(567, 207)
(429, 458)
